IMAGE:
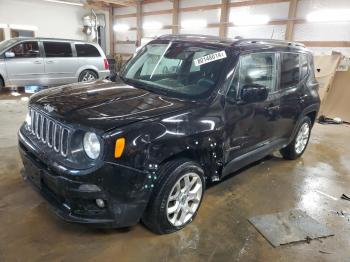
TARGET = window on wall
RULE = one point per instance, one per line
(21, 33)
(290, 72)
(85, 50)
(58, 49)
(26, 50)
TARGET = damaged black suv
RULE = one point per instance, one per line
(185, 110)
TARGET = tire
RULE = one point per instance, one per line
(2, 85)
(298, 145)
(164, 213)
(88, 76)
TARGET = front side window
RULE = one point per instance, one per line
(26, 50)
(290, 70)
(182, 69)
(254, 69)
(58, 49)
(86, 50)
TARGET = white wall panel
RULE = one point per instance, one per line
(274, 11)
(165, 19)
(322, 32)
(131, 21)
(156, 33)
(125, 36)
(328, 51)
(307, 6)
(202, 31)
(125, 48)
(264, 31)
(157, 6)
(190, 3)
(211, 16)
(125, 10)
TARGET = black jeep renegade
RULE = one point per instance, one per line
(185, 110)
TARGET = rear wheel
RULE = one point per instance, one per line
(176, 197)
(297, 147)
(2, 85)
(87, 76)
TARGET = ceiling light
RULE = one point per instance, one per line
(3, 26)
(121, 27)
(152, 26)
(194, 24)
(330, 15)
(24, 27)
(64, 2)
(246, 19)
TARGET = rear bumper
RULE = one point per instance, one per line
(103, 74)
(73, 197)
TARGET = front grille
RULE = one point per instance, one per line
(49, 132)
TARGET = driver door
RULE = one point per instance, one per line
(250, 126)
(27, 65)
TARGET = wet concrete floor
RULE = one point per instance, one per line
(220, 232)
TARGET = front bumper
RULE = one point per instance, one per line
(125, 190)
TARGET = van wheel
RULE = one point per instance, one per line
(297, 147)
(176, 197)
(87, 76)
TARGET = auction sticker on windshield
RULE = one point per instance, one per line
(210, 58)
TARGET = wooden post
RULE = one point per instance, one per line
(224, 17)
(111, 31)
(293, 4)
(175, 26)
(138, 23)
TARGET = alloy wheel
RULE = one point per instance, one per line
(184, 199)
(302, 138)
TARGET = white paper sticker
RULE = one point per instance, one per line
(210, 58)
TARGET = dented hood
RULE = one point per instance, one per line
(104, 105)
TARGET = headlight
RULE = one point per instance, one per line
(91, 145)
(28, 120)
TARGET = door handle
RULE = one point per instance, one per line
(50, 62)
(37, 62)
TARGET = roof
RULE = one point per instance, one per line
(233, 41)
(49, 39)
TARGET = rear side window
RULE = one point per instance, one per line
(86, 50)
(58, 49)
(290, 70)
(26, 50)
(304, 64)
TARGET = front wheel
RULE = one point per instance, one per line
(297, 147)
(176, 197)
(87, 76)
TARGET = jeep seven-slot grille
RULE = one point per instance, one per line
(49, 132)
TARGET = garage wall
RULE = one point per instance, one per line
(51, 19)
(276, 29)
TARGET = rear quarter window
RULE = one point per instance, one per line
(86, 50)
(290, 70)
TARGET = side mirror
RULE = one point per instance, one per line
(10, 55)
(253, 93)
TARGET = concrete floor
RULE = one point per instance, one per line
(221, 232)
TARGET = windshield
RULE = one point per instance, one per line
(181, 69)
(6, 43)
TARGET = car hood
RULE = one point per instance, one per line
(104, 105)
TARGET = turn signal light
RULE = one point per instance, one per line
(119, 147)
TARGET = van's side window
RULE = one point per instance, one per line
(290, 71)
(58, 49)
(26, 50)
(86, 50)
(256, 68)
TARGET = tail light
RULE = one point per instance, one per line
(106, 64)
